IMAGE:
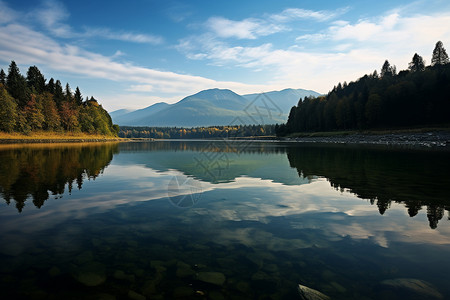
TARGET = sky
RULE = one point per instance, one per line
(132, 54)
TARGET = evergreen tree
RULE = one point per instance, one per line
(440, 56)
(17, 85)
(35, 79)
(417, 64)
(58, 95)
(51, 86)
(2, 77)
(387, 69)
(78, 97)
(68, 93)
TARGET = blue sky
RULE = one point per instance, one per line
(131, 54)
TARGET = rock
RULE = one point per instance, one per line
(91, 274)
(307, 293)
(184, 270)
(119, 274)
(183, 292)
(135, 296)
(212, 277)
(216, 295)
(90, 278)
(416, 286)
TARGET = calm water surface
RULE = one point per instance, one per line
(217, 220)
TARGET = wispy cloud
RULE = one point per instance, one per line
(341, 51)
(292, 14)
(245, 29)
(252, 28)
(52, 15)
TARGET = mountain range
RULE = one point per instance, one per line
(215, 107)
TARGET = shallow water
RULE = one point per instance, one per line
(223, 220)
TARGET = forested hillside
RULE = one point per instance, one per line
(419, 96)
(29, 104)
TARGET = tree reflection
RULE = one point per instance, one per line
(37, 171)
(382, 175)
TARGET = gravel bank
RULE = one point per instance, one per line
(427, 139)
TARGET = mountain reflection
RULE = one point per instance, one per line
(38, 170)
(382, 175)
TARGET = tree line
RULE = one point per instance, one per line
(418, 96)
(29, 104)
(197, 132)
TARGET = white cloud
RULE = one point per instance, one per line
(33, 48)
(291, 14)
(344, 51)
(245, 29)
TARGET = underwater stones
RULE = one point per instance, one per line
(416, 286)
(183, 292)
(307, 293)
(215, 278)
(121, 275)
(135, 296)
(184, 270)
(91, 274)
(216, 295)
(84, 257)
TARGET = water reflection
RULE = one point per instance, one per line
(415, 178)
(37, 171)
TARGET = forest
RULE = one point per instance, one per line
(418, 96)
(31, 104)
(197, 132)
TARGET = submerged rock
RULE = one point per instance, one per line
(307, 293)
(212, 277)
(91, 274)
(415, 286)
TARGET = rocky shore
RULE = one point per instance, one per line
(435, 139)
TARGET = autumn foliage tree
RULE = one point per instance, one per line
(29, 104)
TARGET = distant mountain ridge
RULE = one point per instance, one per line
(215, 107)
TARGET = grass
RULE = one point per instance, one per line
(46, 135)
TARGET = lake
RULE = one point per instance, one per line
(223, 220)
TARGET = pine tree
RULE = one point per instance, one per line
(387, 69)
(58, 94)
(78, 97)
(417, 64)
(16, 84)
(440, 56)
(2, 77)
(68, 93)
(35, 79)
(51, 86)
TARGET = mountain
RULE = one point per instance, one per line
(286, 98)
(137, 116)
(215, 107)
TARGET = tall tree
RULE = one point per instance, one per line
(78, 97)
(51, 86)
(440, 56)
(387, 69)
(35, 79)
(68, 93)
(58, 95)
(417, 64)
(16, 84)
(2, 77)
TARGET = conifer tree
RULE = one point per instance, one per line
(440, 56)
(16, 84)
(2, 77)
(78, 97)
(417, 64)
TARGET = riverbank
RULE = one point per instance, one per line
(421, 138)
(54, 137)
